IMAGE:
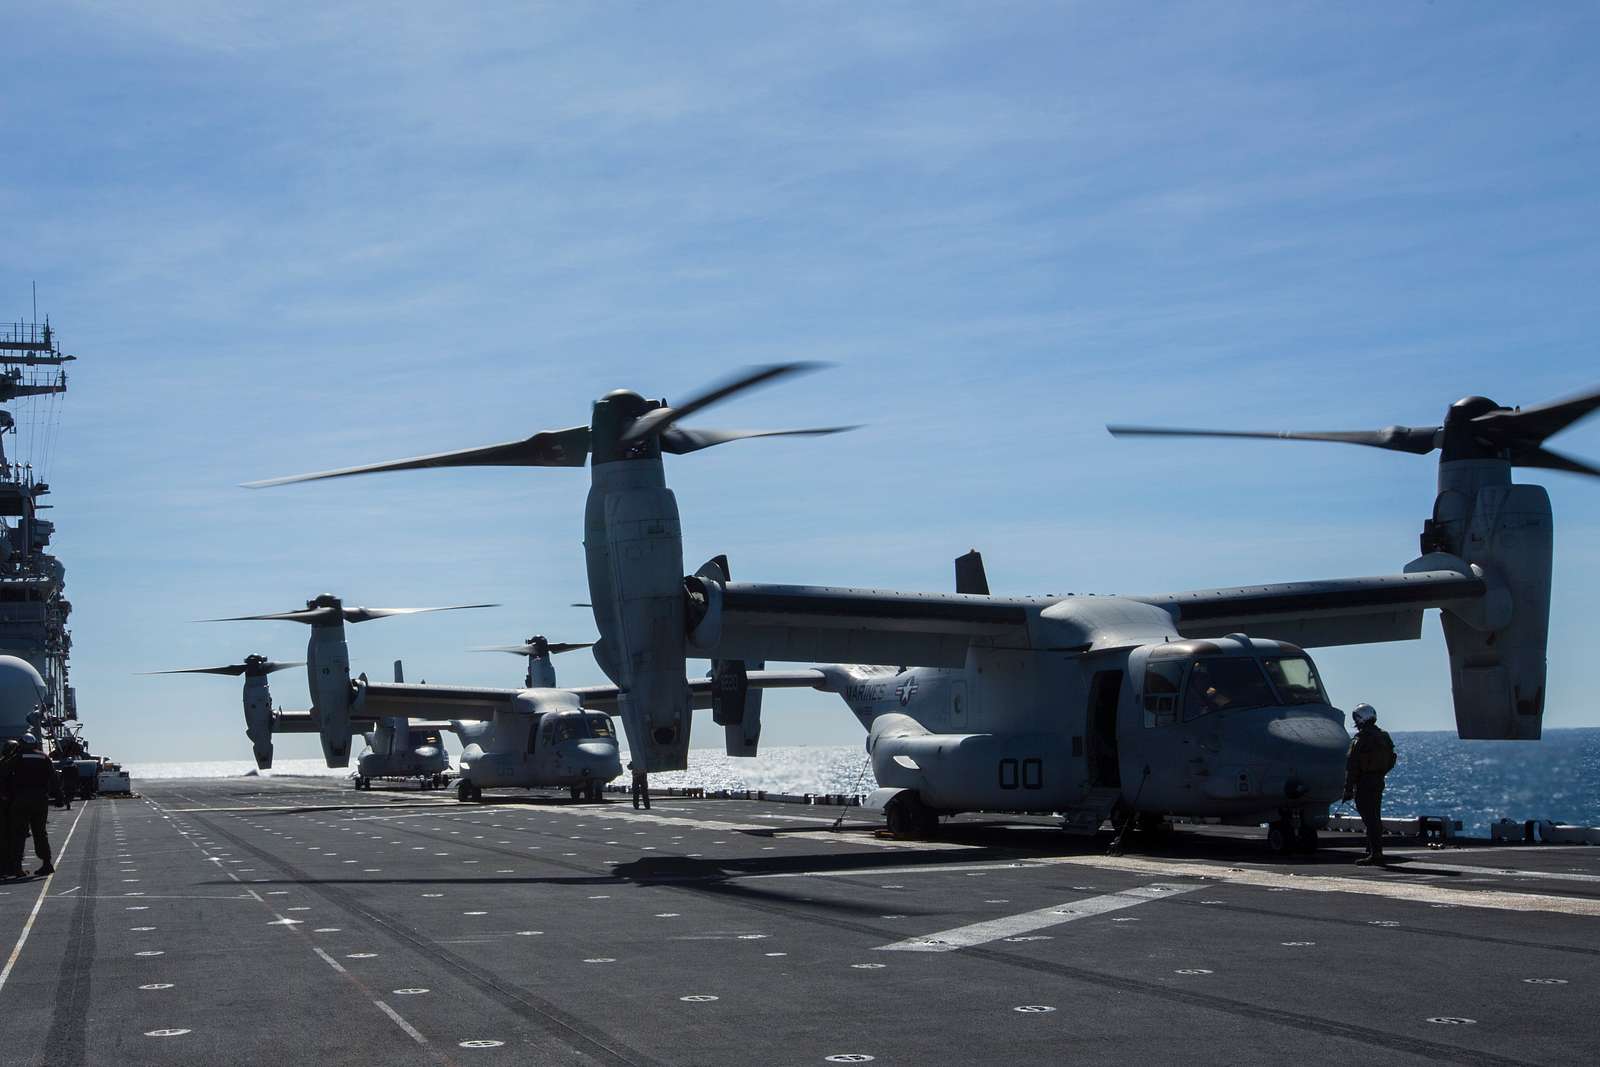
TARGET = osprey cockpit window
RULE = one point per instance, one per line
(1228, 683)
(1295, 680)
(1162, 687)
(600, 726)
(569, 727)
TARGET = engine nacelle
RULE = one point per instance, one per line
(328, 677)
(634, 550)
(258, 719)
(1497, 655)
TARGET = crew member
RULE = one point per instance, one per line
(1371, 758)
(7, 753)
(641, 788)
(32, 781)
(69, 780)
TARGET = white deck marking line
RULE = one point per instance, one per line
(1373, 885)
(411, 1031)
(27, 927)
(1029, 921)
(329, 960)
(1504, 872)
(74, 889)
(872, 872)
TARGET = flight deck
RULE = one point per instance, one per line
(272, 920)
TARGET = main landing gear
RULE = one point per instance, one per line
(908, 816)
(468, 793)
(1288, 835)
(589, 792)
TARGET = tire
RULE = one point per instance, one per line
(576, 792)
(1278, 840)
(464, 791)
(907, 816)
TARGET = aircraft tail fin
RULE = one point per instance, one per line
(970, 575)
(399, 673)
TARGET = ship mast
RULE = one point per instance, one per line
(33, 605)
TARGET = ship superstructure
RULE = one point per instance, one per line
(33, 604)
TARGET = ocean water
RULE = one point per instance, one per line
(1477, 782)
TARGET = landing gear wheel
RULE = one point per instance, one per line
(1280, 838)
(1305, 839)
(362, 783)
(466, 792)
(908, 817)
(576, 792)
(593, 793)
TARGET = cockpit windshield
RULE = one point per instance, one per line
(1295, 679)
(600, 726)
(568, 727)
(1225, 684)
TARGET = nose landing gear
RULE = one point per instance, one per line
(1288, 835)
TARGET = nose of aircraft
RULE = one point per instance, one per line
(1311, 750)
(599, 759)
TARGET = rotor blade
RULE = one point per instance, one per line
(1550, 459)
(1418, 440)
(306, 615)
(1541, 420)
(655, 421)
(555, 648)
(368, 614)
(233, 668)
(680, 441)
(556, 448)
(273, 666)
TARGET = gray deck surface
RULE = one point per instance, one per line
(280, 920)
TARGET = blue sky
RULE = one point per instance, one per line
(286, 237)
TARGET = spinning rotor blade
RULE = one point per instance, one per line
(1540, 421)
(306, 615)
(1479, 428)
(329, 614)
(1419, 440)
(368, 614)
(654, 422)
(235, 669)
(528, 648)
(1550, 459)
(555, 448)
(680, 441)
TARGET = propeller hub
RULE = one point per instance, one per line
(1470, 407)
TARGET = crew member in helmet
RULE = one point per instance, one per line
(641, 788)
(32, 782)
(1371, 759)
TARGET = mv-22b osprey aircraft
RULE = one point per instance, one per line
(1197, 703)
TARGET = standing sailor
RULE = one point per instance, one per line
(1371, 758)
(641, 788)
(32, 781)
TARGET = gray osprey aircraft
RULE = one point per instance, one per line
(335, 697)
(396, 748)
(1197, 703)
(632, 544)
(401, 750)
(259, 718)
(543, 736)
